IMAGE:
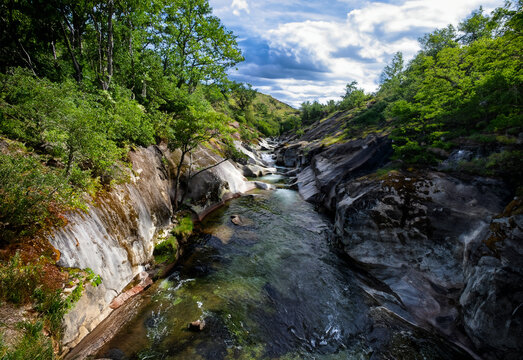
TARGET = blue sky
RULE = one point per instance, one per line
(298, 50)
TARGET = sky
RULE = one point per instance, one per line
(306, 50)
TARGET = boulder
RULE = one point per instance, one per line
(264, 186)
(257, 170)
(338, 164)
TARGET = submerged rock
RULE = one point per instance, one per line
(240, 220)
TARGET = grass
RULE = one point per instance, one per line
(166, 251)
(185, 227)
(33, 345)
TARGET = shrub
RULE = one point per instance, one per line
(32, 196)
(18, 281)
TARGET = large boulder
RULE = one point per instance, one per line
(257, 170)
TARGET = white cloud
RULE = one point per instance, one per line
(373, 32)
(238, 5)
(354, 43)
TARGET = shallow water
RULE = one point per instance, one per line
(272, 288)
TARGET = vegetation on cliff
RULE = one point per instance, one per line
(83, 82)
(462, 90)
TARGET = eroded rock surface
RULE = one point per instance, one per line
(492, 300)
(433, 246)
(115, 237)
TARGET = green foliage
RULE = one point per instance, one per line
(505, 164)
(194, 44)
(53, 307)
(311, 112)
(33, 196)
(244, 94)
(18, 281)
(475, 27)
(290, 124)
(166, 251)
(353, 98)
(436, 41)
(21, 283)
(77, 127)
(93, 278)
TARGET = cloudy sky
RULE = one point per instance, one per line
(299, 50)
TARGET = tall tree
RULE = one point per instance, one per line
(433, 42)
(194, 45)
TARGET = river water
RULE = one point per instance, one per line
(269, 288)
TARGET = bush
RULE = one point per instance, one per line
(18, 281)
(33, 196)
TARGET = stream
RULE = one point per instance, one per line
(269, 288)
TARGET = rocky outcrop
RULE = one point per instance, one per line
(410, 231)
(430, 246)
(492, 300)
(322, 168)
(115, 236)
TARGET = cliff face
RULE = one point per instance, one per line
(436, 249)
(116, 236)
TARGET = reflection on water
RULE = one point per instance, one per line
(272, 290)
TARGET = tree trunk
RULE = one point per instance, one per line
(77, 68)
(110, 42)
(177, 180)
(69, 165)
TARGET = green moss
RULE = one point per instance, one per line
(185, 227)
(166, 251)
(338, 138)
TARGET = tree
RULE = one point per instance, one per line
(475, 27)
(244, 94)
(194, 45)
(434, 42)
(189, 129)
(353, 98)
(394, 69)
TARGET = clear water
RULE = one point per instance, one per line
(271, 289)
